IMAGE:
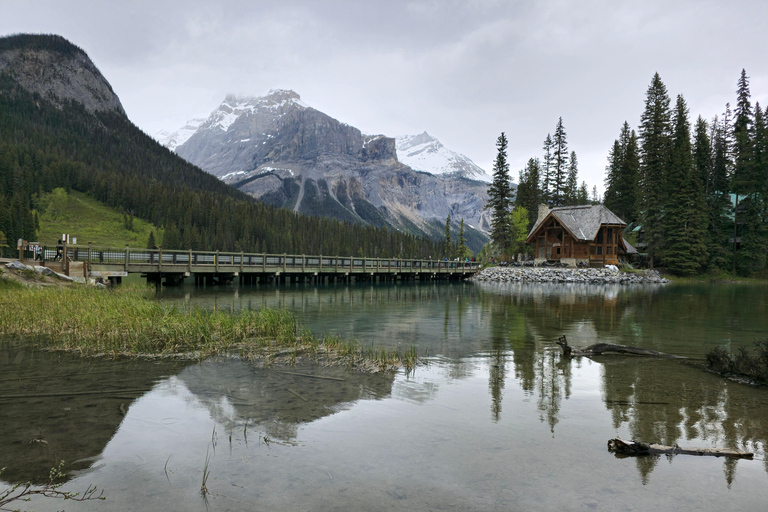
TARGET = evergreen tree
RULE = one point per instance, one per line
(448, 243)
(499, 198)
(572, 183)
(748, 181)
(655, 136)
(462, 251)
(529, 193)
(151, 243)
(684, 218)
(546, 171)
(754, 236)
(720, 225)
(558, 175)
(621, 189)
(583, 194)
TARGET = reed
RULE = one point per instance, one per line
(130, 321)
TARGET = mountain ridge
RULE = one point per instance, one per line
(49, 139)
(284, 152)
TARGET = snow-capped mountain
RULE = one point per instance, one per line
(284, 152)
(425, 153)
(180, 136)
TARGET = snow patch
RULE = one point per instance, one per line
(425, 153)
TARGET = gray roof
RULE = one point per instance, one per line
(630, 248)
(582, 221)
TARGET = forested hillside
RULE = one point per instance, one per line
(101, 153)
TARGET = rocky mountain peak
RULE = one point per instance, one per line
(424, 152)
(58, 71)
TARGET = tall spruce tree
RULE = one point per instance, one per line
(655, 137)
(500, 199)
(462, 251)
(558, 176)
(529, 193)
(572, 182)
(747, 182)
(621, 189)
(448, 243)
(754, 238)
(547, 170)
(684, 216)
(720, 224)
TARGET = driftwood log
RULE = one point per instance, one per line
(602, 348)
(635, 448)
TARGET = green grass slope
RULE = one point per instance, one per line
(90, 221)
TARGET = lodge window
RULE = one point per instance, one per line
(600, 237)
(599, 249)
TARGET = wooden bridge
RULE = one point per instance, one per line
(171, 267)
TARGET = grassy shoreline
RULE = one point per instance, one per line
(130, 322)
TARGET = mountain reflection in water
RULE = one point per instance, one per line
(496, 419)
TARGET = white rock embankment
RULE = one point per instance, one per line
(567, 275)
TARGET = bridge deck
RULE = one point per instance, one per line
(115, 262)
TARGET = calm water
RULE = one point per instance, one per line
(496, 420)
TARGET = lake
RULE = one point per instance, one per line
(495, 418)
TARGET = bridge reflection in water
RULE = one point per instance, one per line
(171, 267)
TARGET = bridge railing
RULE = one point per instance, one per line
(156, 259)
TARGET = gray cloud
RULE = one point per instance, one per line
(462, 70)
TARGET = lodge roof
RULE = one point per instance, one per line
(583, 222)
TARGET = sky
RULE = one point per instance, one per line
(464, 71)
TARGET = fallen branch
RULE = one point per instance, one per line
(602, 348)
(635, 448)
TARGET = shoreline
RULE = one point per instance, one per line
(567, 275)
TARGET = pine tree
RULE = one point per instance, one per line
(151, 243)
(448, 243)
(499, 198)
(754, 237)
(529, 193)
(684, 217)
(720, 224)
(559, 173)
(462, 251)
(748, 181)
(655, 136)
(621, 190)
(572, 183)
(546, 171)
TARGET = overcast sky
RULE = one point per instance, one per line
(462, 70)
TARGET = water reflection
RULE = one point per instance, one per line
(278, 400)
(57, 406)
(497, 420)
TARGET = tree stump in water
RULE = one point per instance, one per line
(602, 348)
(634, 448)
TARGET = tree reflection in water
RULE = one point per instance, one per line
(656, 400)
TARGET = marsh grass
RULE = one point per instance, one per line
(129, 321)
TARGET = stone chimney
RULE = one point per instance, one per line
(543, 211)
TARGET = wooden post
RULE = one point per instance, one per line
(127, 257)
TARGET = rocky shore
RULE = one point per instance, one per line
(606, 275)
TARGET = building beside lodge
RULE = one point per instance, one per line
(579, 235)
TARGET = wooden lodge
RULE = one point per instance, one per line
(587, 235)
